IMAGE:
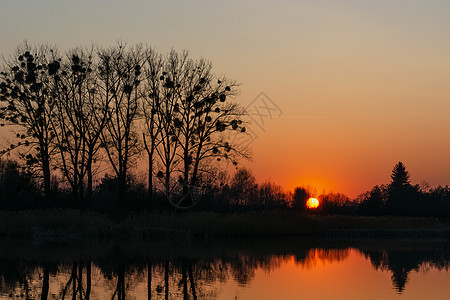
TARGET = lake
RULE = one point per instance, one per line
(283, 268)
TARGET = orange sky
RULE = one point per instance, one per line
(362, 84)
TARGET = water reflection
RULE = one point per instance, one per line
(401, 259)
(317, 256)
(98, 270)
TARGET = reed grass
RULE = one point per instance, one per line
(66, 221)
(205, 224)
(278, 223)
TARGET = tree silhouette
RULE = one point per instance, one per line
(17, 187)
(27, 101)
(244, 187)
(71, 111)
(400, 177)
(403, 198)
(301, 195)
(271, 195)
(151, 98)
(120, 77)
(75, 124)
(373, 203)
(197, 122)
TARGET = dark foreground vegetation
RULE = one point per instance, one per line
(66, 224)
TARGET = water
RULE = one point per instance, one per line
(224, 269)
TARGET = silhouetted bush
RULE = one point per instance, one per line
(301, 195)
(336, 203)
(373, 202)
(17, 188)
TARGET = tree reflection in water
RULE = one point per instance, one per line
(319, 255)
(190, 272)
(401, 259)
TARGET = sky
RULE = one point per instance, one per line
(356, 85)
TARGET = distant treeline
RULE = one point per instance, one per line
(399, 197)
(239, 192)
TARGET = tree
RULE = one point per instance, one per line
(28, 102)
(335, 203)
(402, 196)
(165, 107)
(75, 124)
(120, 77)
(151, 98)
(301, 195)
(271, 195)
(400, 177)
(373, 203)
(244, 187)
(438, 201)
(70, 111)
(197, 121)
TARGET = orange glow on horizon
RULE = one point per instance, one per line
(312, 203)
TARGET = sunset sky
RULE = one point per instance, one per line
(361, 84)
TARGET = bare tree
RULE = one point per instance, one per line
(166, 107)
(151, 98)
(68, 121)
(95, 122)
(28, 102)
(80, 119)
(91, 100)
(244, 187)
(120, 77)
(196, 120)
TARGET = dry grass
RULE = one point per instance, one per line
(63, 220)
(216, 224)
(276, 223)
(262, 223)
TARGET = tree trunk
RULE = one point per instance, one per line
(74, 282)
(81, 192)
(184, 280)
(149, 280)
(89, 181)
(191, 279)
(46, 174)
(88, 280)
(45, 283)
(186, 195)
(166, 280)
(167, 187)
(122, 191)
(75, 194)
(80, 279)
(150, 178)
(121, 283)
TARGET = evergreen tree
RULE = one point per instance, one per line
(402, 196)
(400, 177)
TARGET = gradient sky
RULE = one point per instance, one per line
(362, 84)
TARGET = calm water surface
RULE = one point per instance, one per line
(225, 269)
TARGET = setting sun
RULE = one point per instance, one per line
(312, 203)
